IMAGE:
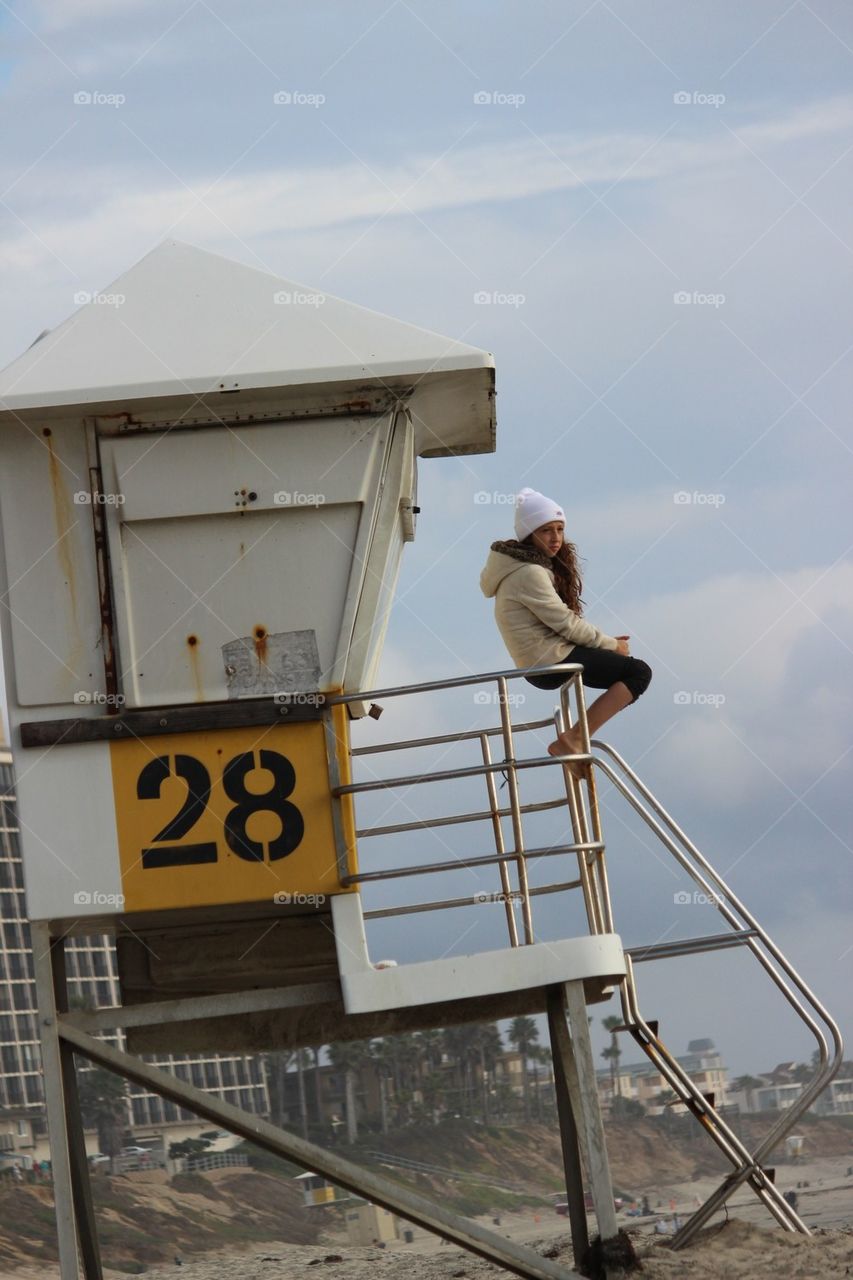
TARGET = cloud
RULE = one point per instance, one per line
(308, 196)
(773, 646)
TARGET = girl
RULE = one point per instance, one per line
(536, 586)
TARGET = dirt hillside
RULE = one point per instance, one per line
(146, 1218)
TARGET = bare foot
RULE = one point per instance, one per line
(569, 744)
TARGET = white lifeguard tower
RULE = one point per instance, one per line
(207, 476)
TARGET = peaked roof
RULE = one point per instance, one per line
(184, 320)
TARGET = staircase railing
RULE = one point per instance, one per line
(581, 801)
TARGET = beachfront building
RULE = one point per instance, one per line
(640, 1082)
(779, 1089)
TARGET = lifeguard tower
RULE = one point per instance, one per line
(207, 476)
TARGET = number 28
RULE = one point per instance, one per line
(163, 853)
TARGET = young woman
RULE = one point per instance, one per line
(536, 586)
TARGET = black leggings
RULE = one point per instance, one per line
(601, 669)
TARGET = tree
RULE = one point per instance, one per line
(488, 1044)
(276, 1073)
(613, 1054)
(463, 1050)
(318, 1086)
(627, 1109)
(189, 1147)
(103, 1106)
(747, 1084)
(523, 1034)
(349, 1058)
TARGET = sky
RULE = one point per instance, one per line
(654, 203)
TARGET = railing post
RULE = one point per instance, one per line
(506, 887)
(512, 786)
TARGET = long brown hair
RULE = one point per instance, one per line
(567, 578)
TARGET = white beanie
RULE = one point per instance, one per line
(532, 510)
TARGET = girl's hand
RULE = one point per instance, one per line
(622, 645)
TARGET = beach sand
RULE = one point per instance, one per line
(744, 1244)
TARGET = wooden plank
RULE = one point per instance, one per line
(568, 1131)
(63, 1196)
(375, 1187)
(184, 719)
(588, 1109)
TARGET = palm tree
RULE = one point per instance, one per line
(523, 1034)
(463, 1050)
(488, 1044)
(349, 1058)
(276, 1073)
(318, 1086)
(538, 1055)
(103, 1106)
(613, 1054)
(301, 1063)
(383, 1054)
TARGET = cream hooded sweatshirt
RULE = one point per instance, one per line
(537, 627)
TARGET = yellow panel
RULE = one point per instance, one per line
(230, 815)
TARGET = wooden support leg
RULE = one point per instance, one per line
(568, 1130)
(81, 1187)
(55, 1103)
(576, 1052)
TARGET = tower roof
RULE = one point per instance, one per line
(183, 320)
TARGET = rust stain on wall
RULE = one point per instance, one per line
(65, 520)
(192, 650)
(260, 637)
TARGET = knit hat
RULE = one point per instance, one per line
(532, 510)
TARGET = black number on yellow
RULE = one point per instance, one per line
(162, 853)
(149, 786)
(273, 801)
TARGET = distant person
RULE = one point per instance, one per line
(535, 582)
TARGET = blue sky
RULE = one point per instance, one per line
(585, 191)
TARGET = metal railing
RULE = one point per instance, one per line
(747, 932)
(509, 856)
(578, 796)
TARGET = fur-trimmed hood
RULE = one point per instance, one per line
(505, 558)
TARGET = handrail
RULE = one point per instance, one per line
(456, 682)
(587, 844)
(750, 932)
(508, 854)
(705, 877)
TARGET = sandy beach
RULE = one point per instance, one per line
(745, 1244)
